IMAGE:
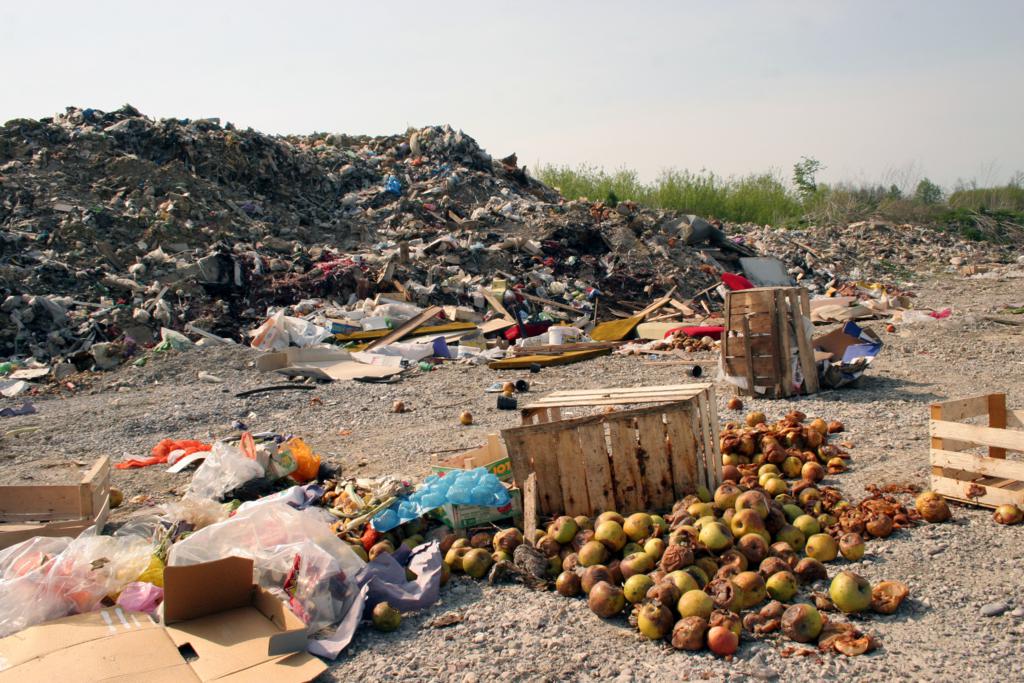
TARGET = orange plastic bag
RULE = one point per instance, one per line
(307, 462)
(162, 450)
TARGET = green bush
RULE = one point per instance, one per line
(995, 213)
(1005, 198)
(759, 198)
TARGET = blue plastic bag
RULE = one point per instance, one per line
(458, 487)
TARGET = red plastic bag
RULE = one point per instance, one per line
(736, 282)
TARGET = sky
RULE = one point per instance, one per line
(877, 91)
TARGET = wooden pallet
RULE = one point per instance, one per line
(629, 460)
(63, 510)
(764, 328)
(549, 408)
(987, 480)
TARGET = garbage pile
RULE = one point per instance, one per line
(115, 224)
(115, 227)
(819, 257)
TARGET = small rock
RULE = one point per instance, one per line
(994, 609)
(935, 550)
(1018, 613)
(759, 670)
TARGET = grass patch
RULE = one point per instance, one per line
(993, 214)
(756, 198)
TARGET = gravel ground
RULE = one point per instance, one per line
(509, 632)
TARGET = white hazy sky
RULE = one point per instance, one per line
(875, 90)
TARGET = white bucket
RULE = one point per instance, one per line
(561, 334)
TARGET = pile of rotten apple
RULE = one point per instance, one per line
(700, 575)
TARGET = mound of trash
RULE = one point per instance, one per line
(114, 226)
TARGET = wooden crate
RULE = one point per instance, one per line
(63, 510)
(549, 408)
(764, 330)
(629, 460)
(957, 473)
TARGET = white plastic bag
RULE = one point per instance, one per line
(94, 567)
(280, 331)
(24, 599)
(225, 469)
(295, 554)
(46, 578)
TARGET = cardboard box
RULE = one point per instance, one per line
(343, 326)
(494, 457)
(491, 455)
(469, 516)
(849, 343)
(847, 352)
(216, 626)
(320, 363)
(55, 510)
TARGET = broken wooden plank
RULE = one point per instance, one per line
(367, 335)
(530, 508)
(407, 327)
(682, 308)
(546, 361)
(495, 302)
(548, 302)
(657, 303)
(997, 420)
(980, 436)
(562, 348)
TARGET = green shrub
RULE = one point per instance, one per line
(994, 213)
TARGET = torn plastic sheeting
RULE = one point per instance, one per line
(183, 461)
(25, 408)
(393, 354)
(223, 470)
(299, 497)
(24, 568)
(46, 578)
(383, 580)
(175, 340)
(13, 387)
(280, 331)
